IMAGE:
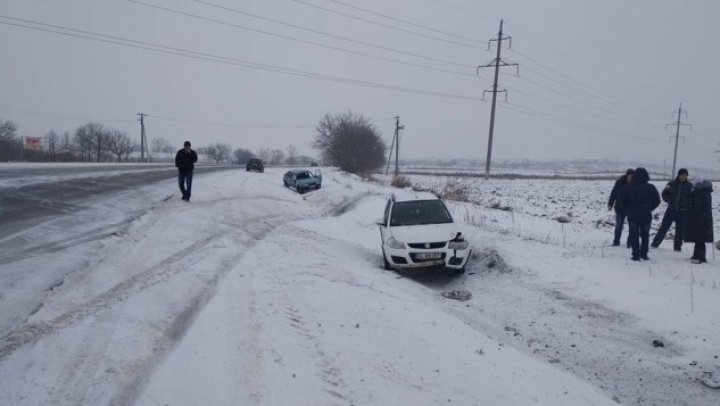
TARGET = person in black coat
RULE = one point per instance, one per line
(677, 195)
(640, 198)
(620, 212)
(184, 161)
(699, 224)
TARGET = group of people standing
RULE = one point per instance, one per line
(689, 206)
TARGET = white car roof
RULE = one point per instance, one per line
(410, 195)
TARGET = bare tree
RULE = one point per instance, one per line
(277, 156)
(65, 149)
(52, 143)
(118, 143)
(133, 147)
(83, 141)
(350, 142)
(99, 137)
(219, 152)
(264, 154)
(242, 156)
(292, 152)
(161, 145)
(8, 140)
(303, 160)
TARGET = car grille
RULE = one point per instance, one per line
(428, 245)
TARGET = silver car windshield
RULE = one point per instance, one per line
(419, 212)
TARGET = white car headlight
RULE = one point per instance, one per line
(393, 243)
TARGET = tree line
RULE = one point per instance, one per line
(347, 140)
(90, 142)
(93, 142)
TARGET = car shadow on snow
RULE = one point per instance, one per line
(482, 261)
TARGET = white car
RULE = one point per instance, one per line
(419, 232)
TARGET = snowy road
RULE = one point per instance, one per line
(32, 194)
(255, 295)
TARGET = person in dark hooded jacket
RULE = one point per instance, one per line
(699, 222)
(185, 162)
(620, 212)
(677, 195)
(640, 198)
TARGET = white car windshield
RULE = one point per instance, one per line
(419, 212)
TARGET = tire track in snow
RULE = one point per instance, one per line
(125, 382)
(32, 332)
(329, 372)
(604, 347)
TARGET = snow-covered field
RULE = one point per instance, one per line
(254, 295)
(582, 202)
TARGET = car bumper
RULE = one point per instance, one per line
(411, 258)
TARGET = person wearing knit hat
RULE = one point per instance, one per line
(184, 161)
(620, 211)
(677, 196)
(699, 224)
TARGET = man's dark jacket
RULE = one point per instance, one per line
(184, 161)
(614, 200)
(699, 223)
(677, 194)
(640, 198)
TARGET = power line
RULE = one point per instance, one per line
(223, 59)
(570, 123)
(581, 111)
(581, 100)
(595, 93)
(215, 124)
(354, 17)
(289, 38)
(405, 21)
(463, 10)
(73, 118)
(330, 35)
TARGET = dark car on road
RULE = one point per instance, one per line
(255, 164)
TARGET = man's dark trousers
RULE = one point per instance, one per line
(639, 231)
(185, 182)
(619, 222)
(671, 215)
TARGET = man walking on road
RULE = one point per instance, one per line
(184, 161)
(677, 195)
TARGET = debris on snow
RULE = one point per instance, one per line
(457, 295)
(709, 380)
(490, 259)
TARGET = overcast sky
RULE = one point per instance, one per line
(598, 79)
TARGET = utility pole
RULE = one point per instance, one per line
(396, 144)
(392, 145)
(677, 125)
(143, 140)
(496, 63)
(398, 127)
